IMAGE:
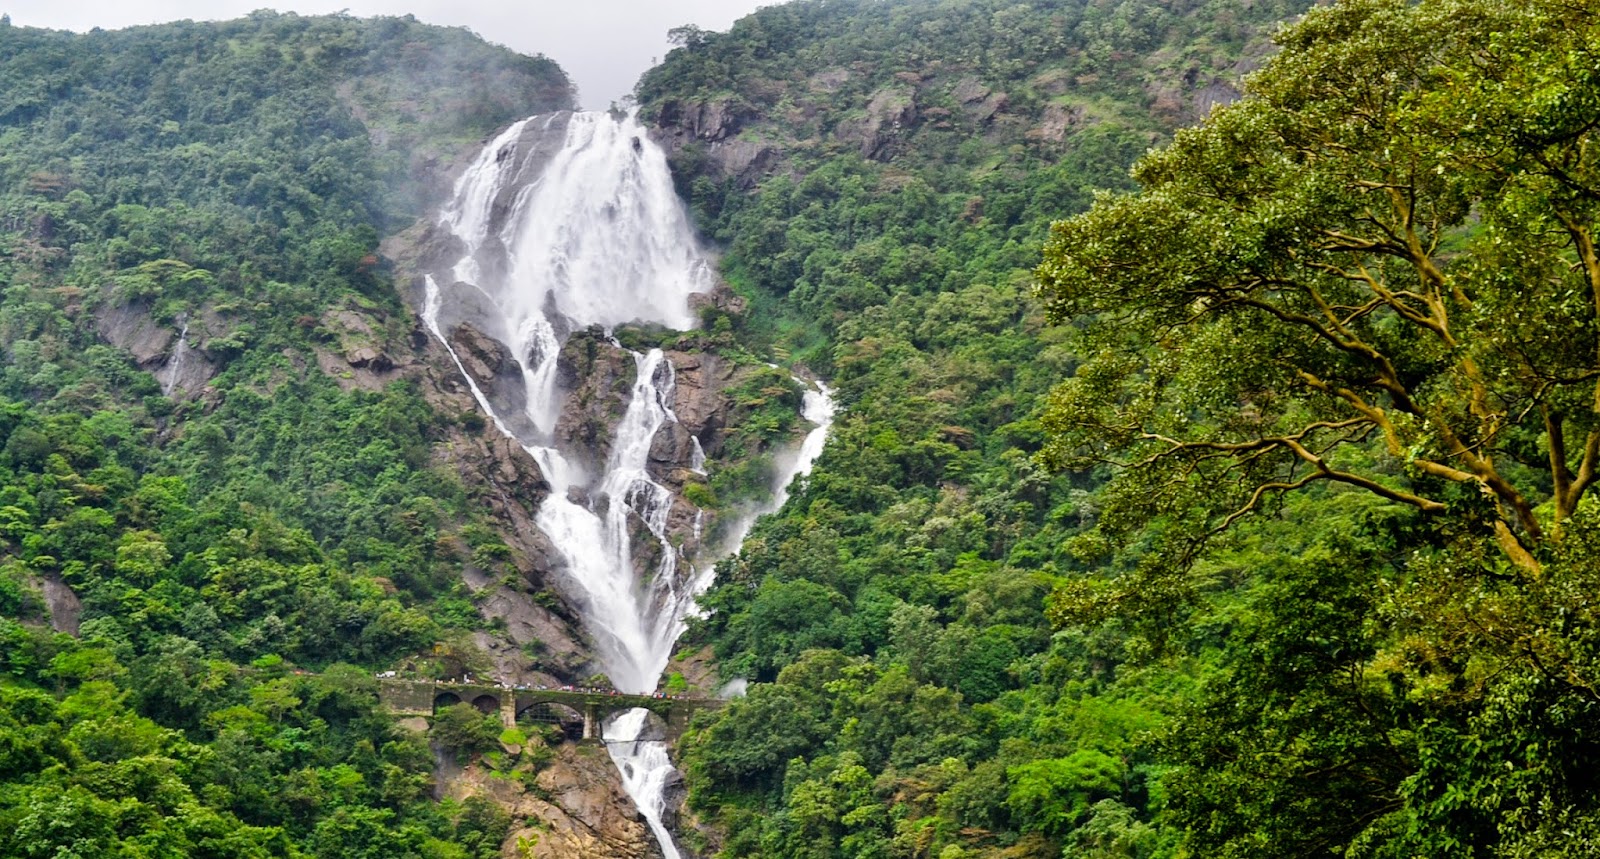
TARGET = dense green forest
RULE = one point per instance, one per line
(1244, 512)
(1297, 561)
(225, 541)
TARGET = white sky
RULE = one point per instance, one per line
(604, 45)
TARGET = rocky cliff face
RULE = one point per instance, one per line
(595, 375)
(712, 128)
(890, 113)
(573, 809)
(179, 353)
(577, 807)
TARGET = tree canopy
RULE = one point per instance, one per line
(1391, 239)
(1351, 322)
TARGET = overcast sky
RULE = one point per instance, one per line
(604, 45)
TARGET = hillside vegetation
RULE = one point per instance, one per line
(246, 514)
(1252, 583)
(1244, 512)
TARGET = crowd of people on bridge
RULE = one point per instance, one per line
(590, 690)
(466, 679)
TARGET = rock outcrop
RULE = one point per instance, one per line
(62, 604)
(1057, 122)
(130, 327)
(890, 114)
(596, 376)
(577, 809)
(590, 816)
(978, 102)
(495, 370)
(358, 354)
(701, 404)
(708, 121)
(712, 130)
(179, 357)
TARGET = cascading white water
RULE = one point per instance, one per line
(569, 221)
(817, 407)
(635, 642)
(170, 375)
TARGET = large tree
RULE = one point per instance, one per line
(1378, 269)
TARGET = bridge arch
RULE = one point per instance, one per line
(486, 703)
(555, 714)
(622, 721)
(445, 699)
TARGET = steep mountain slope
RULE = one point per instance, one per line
(883, 175)
(956, 650)
(949, 83)
(229, 461)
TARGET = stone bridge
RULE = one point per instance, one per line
(425, 697)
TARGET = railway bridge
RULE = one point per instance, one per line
(424, 698)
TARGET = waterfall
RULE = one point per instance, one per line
(698, 463)
(172, 374)
(634, 642)
(818, 408)
(566, 222)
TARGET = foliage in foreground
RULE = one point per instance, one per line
(1391, 242)
(1379, 272)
